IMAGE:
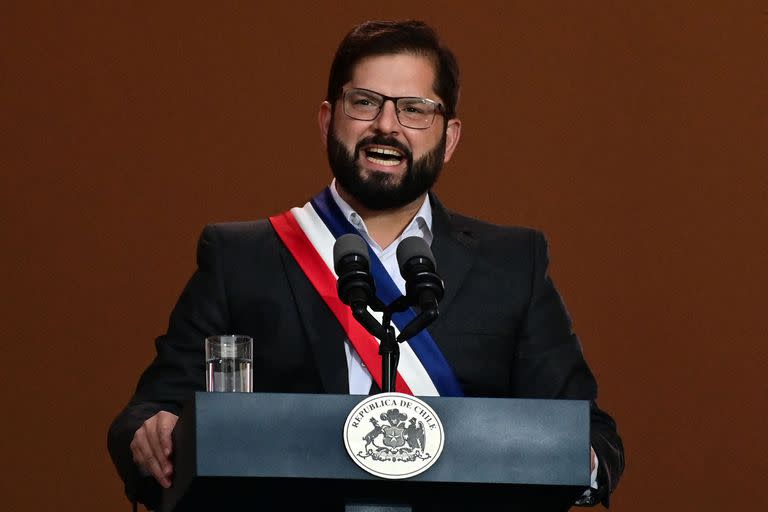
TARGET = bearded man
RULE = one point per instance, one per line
(389, 123)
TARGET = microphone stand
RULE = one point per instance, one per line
(389, 348)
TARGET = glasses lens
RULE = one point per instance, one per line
(361, 104)
(365, 105)
(416, 112)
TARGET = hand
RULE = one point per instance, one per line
(152, 447)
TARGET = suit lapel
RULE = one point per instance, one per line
(454, 249)
(325, 335)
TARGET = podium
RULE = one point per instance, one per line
(263, 451)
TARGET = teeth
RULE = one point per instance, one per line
(389, 163)
(384, 151)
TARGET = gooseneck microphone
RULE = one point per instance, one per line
(352, 264)
(423, 287)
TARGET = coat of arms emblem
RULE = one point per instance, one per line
(393, 435)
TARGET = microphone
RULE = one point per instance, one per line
(423, 287)
(352, 263)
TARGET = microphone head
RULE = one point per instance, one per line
(349, 244)
(423, 286)
(414, 247)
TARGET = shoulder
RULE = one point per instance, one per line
(239, 232)
(484, 230)
(502, 249)
(239, 238)
(475, 230)
(495, 237)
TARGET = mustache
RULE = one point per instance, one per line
(383, 140)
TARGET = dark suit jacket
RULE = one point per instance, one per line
(502, 326)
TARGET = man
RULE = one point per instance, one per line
(389, 123)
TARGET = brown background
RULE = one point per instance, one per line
(634, 135)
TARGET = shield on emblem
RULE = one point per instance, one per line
(393, 437)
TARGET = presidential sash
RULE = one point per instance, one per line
(309, 234)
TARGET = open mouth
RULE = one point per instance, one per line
(386, 156)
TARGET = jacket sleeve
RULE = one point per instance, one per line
(550, 364)
(178, 368)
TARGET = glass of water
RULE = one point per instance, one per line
(228, 360)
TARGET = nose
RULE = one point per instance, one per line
(386, 121)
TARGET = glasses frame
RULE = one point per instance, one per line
(439, 108)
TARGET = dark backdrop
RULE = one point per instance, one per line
(632, 133)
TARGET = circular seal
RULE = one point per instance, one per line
(393, 435)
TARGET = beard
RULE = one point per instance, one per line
(377, 190)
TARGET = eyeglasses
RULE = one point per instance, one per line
(412, 112)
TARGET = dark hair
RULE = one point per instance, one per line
(391, 37)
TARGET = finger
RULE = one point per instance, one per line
(140, 447)
(153, 466)
(153, 437)
(166, 422)
(145, 458)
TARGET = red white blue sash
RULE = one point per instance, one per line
(309, 234)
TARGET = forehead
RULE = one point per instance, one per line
(401, 74)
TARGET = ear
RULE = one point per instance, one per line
(452, 136)
(324, 120)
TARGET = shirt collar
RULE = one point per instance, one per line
(420, 225)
